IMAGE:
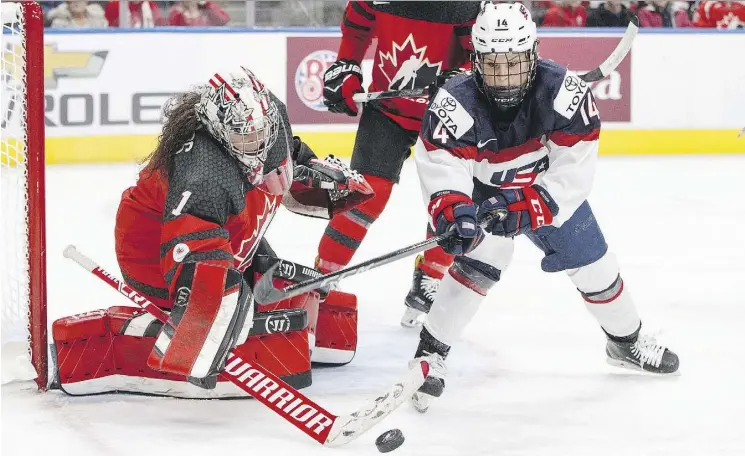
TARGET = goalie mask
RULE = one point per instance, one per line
(238, 112)
(505, 52)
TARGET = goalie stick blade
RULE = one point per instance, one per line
(348, 427)
(264, 291)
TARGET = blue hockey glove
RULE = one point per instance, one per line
(455, 211)
(527, 209)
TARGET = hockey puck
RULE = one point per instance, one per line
(389, 440)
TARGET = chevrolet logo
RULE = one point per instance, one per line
(58, 64)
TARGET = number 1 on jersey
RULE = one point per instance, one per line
(184, 198)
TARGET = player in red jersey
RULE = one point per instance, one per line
(187, 235)
(722, 15)
(416, 42)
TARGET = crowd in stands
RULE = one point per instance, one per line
(142, 14)
(564, 13)
(616, 13)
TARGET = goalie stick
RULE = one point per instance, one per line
(324, 427)
(605, 68)
(265, 293)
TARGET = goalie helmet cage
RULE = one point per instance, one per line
(22, 215)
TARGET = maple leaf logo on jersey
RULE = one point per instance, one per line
(406, 67)
(244, 254)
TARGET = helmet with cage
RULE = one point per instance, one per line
(505, 44)
(237, 111)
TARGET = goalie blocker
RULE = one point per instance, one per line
(106, 351)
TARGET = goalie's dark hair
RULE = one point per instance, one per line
(180, 121)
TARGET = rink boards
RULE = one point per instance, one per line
(677, 92)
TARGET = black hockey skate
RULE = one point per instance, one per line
(420, 297)
(434, 352)
(640, 352)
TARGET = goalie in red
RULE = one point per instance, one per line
(189, 236)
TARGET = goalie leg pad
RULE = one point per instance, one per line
(207, 320)
(336, 332)
(106, 351)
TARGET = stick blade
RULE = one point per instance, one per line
(348, 427)
(264, 291)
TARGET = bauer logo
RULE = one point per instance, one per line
(309, 78)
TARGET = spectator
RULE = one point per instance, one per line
(567, 13)
(192, 13)
(722, 15)
(663, 14)
(612, 13)
(141, 14)
(77, 14)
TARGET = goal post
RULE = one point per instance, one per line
(22, 208)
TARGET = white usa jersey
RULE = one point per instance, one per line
(551, 140)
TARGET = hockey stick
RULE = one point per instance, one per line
(265, 293)
(315, 421)
(605, 68)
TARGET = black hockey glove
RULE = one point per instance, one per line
(527, 209)
(340, 82)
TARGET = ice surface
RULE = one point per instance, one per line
(529, 378)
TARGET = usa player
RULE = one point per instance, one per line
(417, 44)
(519, 134)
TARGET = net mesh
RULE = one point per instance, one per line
(14, 216)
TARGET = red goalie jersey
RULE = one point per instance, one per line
(414, 46)
(723, 15)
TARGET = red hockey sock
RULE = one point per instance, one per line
(345, 232)
(435, 262)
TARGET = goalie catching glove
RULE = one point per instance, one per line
(323, 188)
(212, 313)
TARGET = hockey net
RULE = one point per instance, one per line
(23, 267)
